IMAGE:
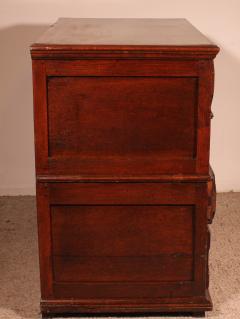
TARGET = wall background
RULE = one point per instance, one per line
(21, 22)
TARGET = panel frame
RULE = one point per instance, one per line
(148, 193)
(47, 167)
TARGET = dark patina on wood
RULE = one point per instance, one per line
(125, 191)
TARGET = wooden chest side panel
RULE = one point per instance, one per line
(122, 137)
(112, 119)
(149, 234)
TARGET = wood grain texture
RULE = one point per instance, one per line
(44, 240)
(126, 227)
(85, 121)
(123, 31)
(125, 192)
(112, 110)
(123, 38)
(211, 197)
(140, 305)
(122, 269)
(99, 234)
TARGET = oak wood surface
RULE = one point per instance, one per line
(76, 106)
(116, 306)
(103, 237)
(125, 192)
(123, 31)
(124, 117)
(72, 38)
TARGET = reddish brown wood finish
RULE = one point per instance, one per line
(75, 105)
(124, 186)
(101, 234)
(179, 145)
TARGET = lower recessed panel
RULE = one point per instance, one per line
(122, 245)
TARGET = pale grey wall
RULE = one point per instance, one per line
(22, 21)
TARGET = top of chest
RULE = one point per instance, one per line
(103, 38)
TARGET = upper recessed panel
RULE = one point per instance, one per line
(122, 116)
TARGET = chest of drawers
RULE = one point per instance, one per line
(125, 192)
